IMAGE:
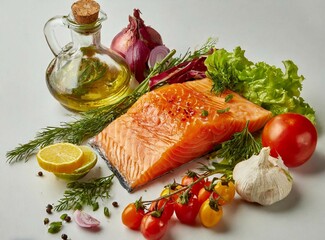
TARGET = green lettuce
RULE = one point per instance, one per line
(265, 85)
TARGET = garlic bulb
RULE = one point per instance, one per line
(262, 178)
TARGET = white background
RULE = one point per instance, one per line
(269, 31)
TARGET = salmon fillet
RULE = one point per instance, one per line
(165, 128)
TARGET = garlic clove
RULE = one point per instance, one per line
(262, 179)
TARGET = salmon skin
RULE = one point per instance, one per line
(173, 125)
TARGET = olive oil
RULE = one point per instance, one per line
(85, 74)
(85, 83)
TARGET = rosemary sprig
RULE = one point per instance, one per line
(79, 194)
(242, 146)
(94, 121)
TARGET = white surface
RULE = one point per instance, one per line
(269, 31)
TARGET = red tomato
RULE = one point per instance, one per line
(292, 136)
(166, 207)
(132, 217)
(186, 213)
(191, 177)
(153, 228)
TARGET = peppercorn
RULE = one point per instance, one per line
(49, 208)
(64, 236)
(40, 173)
(67, 219)
(46, 221)
(115, 204)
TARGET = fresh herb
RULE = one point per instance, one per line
(91, 70)
(107, 212)
(204, 113)
(94, 121)
(63, 216)
(229, 97)
(55, 227)
(220, 111)
(241, 147)
(85, 193)
(95, 206)
(260, 83)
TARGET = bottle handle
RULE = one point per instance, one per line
(49, 32)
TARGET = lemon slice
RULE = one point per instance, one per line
(89, 161)
(60, 158)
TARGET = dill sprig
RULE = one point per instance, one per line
(240, 147)
(79, 194)
(94, 121)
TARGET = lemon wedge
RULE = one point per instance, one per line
(60, 158)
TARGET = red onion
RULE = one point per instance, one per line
(137, 57)
(85, 220)
(135, 42)
(157, 54)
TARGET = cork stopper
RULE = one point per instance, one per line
(85, 11)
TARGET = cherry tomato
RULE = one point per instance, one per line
(187, 212)
(153, 228)
(226, 191)
(132, 217)
(191, 177)
(209, 216)
(292, 136)
(169, 190)
(166, 206)
(206, 192)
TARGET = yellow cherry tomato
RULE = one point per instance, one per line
(169, 190)
(209, 216)
(226, 192)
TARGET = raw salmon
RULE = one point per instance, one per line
(173, 125)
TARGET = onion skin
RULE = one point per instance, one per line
(137, 57)
(134, 43)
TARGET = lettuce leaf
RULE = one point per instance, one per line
(265, 85)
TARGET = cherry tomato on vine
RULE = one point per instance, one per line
(191, 177)
(165, 206)
(206, 192)
(226, 192)
(153, 228)
(169, 190)
(132, 216)
(292, 136)
(187, 212)
(208, 215)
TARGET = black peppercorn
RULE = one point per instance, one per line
(64, 236)
(46, 221)
(40, 173)
(115, 204)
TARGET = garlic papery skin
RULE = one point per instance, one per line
(262, 178)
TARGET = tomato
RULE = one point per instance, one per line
(191, 177)
(206, 192)
(132, 217)
(187, 212)
(209, 216)
(292, 136)
(153, 228)
(226, 191)
(169, 190)
(166, 206)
